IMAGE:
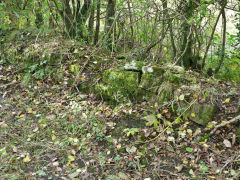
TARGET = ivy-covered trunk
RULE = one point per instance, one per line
(186, 40)
(39, 16)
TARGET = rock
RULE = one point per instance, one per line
(201, 113)
(173, 78)
(153, 70)
(118, 86)
(152, 78)
(165, 93)
(134, 65)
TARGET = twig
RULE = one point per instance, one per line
(230, 161)
(224, 124)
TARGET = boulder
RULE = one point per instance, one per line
(165, 93)
(118, 86)
(201, 113)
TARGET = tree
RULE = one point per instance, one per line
(109, 22)
(74, 16)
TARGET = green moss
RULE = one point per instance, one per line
(54, 58)
(201, 113)
(134, 65)
(152, 77)
(147, 80)
(158, 70)
(165, 93)
(173, 78)
(118, 86)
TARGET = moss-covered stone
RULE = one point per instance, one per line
(156, 70)
(152, 77)
(134, 65)
(165, 93)
(173, 78)
(118, 86)
(201, 113)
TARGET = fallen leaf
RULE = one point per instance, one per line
(227, 100)
(133, 149)
(71, 158)
(227, 143)
(3, 124)
(181, 98)
(74, 175)
(203, 100)
(27, 159)
(39, 83)
(179, 168)
(35, 130)
(22, 116)
(55, 164)
(54, 137)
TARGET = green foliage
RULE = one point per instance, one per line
(230, 69)
(131, 131)
(4, 19)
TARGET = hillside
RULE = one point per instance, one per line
(69, 111)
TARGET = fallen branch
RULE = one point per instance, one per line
(224, 124)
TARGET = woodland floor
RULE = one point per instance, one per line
(50, 132)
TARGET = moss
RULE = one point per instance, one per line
(152, 77)
(147, 80)
(173, 78)
(118, 86)
(201, 113)
(165, 93)
(75, 69)
(131, 121)
(134, 65)
(158, 70)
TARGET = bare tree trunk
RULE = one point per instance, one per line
(131, 24)
(223, 41)
(165, 11)
(210, 40)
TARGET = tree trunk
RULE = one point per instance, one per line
(97, 22)
(91, 22)
(110, 14)
(223, 40)
(67, 18)
(186, 44)
(131, 24)
(39, 16)
(169, 21)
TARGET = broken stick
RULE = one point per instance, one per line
(233, 120)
